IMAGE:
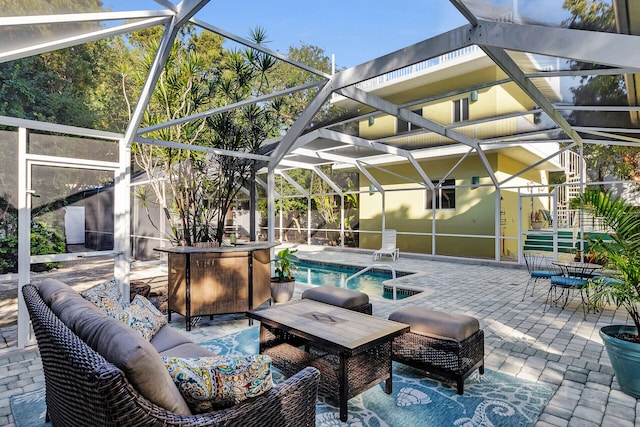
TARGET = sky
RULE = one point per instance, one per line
(353, 31)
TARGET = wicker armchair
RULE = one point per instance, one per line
(82, 388)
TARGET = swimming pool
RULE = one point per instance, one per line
(336, 275)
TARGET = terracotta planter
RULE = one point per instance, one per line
(537, 225)
(282, 291)
(624, 356)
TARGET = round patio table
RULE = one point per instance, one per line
(578, 269)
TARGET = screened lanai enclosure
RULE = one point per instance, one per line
(126, 130)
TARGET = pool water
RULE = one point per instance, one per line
(370, 282)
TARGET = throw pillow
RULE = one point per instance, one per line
(208, 383)
(107, 297)
(143, 317)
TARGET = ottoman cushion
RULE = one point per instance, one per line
(439, 324)
(340, 297)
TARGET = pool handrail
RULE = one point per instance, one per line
(364, 270)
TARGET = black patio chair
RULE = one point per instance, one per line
(539, 267)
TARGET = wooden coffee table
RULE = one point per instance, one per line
(352, 350)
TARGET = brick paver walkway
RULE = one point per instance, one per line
(558, 347)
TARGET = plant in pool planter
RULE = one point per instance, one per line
(536, 220)
(622, 253)
(283, 284)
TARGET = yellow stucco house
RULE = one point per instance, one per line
(466, 205)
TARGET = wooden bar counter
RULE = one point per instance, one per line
(208, 281)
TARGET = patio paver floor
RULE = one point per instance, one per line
(558, 347)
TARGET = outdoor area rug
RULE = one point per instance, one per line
(492, 399)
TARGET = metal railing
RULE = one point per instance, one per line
(364, 270)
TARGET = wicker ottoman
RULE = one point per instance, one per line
(448, 345)
(345, 298)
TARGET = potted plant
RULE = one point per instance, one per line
(283, 284)
(536, 220)
(622, 254)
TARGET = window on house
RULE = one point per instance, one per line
(445, 197)
(404, 126)
(460, 110)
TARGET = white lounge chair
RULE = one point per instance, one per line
(388, 245)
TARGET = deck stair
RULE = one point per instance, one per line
(542, 240)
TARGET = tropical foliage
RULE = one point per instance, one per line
(607, 90)
(44, 241)
(622, 253)
(205, 185)
(324, 204)
(284, 264)
(96, 85)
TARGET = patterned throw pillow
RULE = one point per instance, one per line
(107, 297)
(208, 383)
(142, 316)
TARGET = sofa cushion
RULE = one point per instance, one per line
(209, 383)
(168, 338)
(117, 343)
(65, 302)
(187, 350)
(107, 297)
(48, 287)
(143, 317)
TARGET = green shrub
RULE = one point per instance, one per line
(44, 241)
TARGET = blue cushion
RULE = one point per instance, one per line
(543, 273)
(568, 281)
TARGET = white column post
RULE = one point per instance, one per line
(122, 219)
(24, 236)
(271, 186)
(498, 229)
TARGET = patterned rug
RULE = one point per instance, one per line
(492, 399)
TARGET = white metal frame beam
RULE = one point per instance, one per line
(52, 127)
(65, 42)
(504, 61)
(612, 49)
(258, 47)
(361, 167)
(411, 117)
(457, 38)
(219, 151)
(536, 164)
(293, 182)
(229, 107)
(67, 18)
(185, 10)
(361, 142)
(328, 180)
(303, 120)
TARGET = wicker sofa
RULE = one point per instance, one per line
(84, 388)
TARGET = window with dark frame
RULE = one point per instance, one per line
(403, 126)
(445, 195)
(460, 110)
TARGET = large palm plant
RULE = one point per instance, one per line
(622, 253)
